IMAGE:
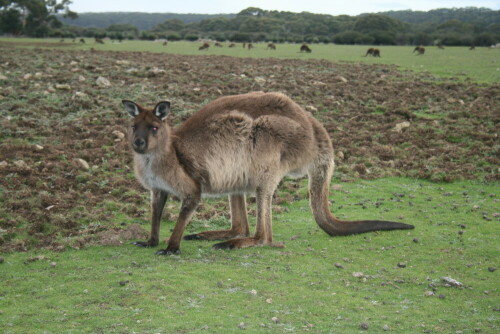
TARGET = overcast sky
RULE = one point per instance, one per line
(332, 7)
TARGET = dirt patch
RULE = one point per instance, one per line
(55, 112)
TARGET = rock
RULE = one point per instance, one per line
(491, 269)
(338, 265)
(1, 259)
(21, 164)
(103, 82)
(118, 134)
(400, 126)
(401, 265)
(341, 78)
(38, 147)
(3, 164)
(452, 282)
(311, 109)
(269, 300)
(275, 320)
(253, 292)
(27, 76)
(364, 326)
(3, 77)
(260, 80)
(63, 87)
(53, 264)
(79, 95)
(429, 293)
(242, 325)
(123, 62)
(82, 163)
(386, 328)
(81, 78)
(415, 240)
(340, 155)
(358, 274)
(156, 71)
(123, 283)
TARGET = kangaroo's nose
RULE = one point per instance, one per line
(139, 144)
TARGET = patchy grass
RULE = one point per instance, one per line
(315, 284)
(480, 65)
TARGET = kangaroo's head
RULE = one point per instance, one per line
(149, 128)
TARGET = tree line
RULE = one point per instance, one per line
(456, 26)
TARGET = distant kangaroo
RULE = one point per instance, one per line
(233, 146)
(420, 50)
(373, 52)
(305, 47)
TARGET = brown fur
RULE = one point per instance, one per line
(233, 146)
(420, 50)
(99, 41)
(305, 48)
(373, 52)
(271, 46)
(204, 46)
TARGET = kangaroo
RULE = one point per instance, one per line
(306, 48)
(271, 46)
(373, 52)
(420, 50)
(233, 146)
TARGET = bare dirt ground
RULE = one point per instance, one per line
(62, 127)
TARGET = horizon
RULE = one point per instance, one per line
(351, 8)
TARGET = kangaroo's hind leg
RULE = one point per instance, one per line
(239, 223)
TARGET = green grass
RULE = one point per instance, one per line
(480, 65)
(210, 291)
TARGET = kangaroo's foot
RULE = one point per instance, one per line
(146, 244)
(245, 242)
(216, 235)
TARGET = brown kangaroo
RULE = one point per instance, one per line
(373, 52)
(306, 48)
(420, 50)
(233, 146)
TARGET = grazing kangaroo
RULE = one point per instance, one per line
(373, 52)
(420, 50)
(233, 146)
(306, 48)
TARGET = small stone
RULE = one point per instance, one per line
(2, 260)
(27, 76)
(341, 78)
(53, 264)
(415, 240)
(429, 293)
(441, 296)
(84, 164)
(452, 282)
(3, 77)
(63, 87)
(219, 284)
(386, 328)
(460, 232)
(338, 265)
(242, 325)
(79, 95)
(269, 300)
(253, 292)
(21, 164)
(38, 147)
(312, 109)
(364, 326)
(400, 126)
(275, 320)
(103, 82)
(358, 274)
(491, 269)
(401, 265)
(123, 283)
(118, 134)
(3, 164)
(81, 78)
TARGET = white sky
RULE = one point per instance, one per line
(332, 7)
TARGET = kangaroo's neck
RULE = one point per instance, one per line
(160, 169)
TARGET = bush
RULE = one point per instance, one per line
(485, 39)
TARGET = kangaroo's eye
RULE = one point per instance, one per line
(154, 129)
(133, 127)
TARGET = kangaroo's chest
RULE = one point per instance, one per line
(152, 178)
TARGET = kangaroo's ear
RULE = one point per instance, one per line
(131, 108)
(162, 109)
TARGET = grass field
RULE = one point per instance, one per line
(480, 65)
(316, 284)
(54, 113)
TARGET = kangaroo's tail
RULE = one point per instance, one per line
(320, 173)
